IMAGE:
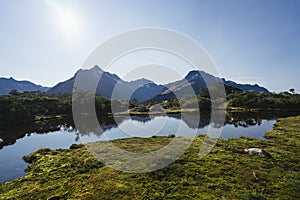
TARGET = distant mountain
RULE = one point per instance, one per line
(8, 84)
(143, 89)
(190, 84)
(245, 87)
(194, 81)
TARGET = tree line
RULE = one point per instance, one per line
(26, 106)
(235, 98)
(22, 107)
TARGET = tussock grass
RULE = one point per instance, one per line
(226, 172)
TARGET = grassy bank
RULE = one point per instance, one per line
(225, 173)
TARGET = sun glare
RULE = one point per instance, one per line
(68, 21)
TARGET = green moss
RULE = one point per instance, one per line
(226, 172)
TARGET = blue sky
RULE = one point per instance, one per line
(251, 41)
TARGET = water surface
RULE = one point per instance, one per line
(17, 141)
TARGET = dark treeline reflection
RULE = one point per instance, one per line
(9, 134)
(246, 119)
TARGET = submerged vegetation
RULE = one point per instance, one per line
(225, 173)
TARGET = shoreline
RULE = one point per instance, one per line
(74, 173)
(179, 111)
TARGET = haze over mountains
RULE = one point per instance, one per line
(141, 89)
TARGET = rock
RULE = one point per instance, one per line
(261, 152)
(255, 176)
(156, 108)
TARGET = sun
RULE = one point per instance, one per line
(68, 21)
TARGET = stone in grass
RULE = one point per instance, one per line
(261, 152)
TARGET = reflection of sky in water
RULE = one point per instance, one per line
(256, 131)
(12, 166)
(159, 126)
(230, 131)
(164, 126)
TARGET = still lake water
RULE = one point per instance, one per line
(24, 139)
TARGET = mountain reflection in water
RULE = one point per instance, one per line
(20, 140)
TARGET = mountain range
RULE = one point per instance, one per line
(141, 89)
(9, 84)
